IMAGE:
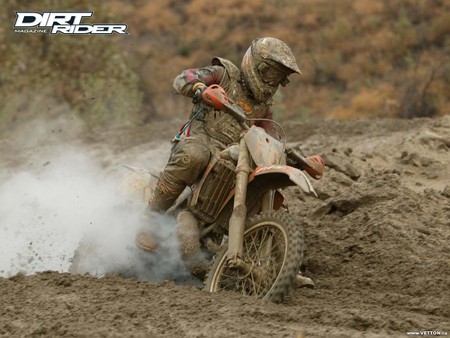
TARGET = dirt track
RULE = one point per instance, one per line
(377, 248)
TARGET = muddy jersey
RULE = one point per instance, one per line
(220, 126)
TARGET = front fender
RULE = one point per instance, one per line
(263, 179)
(279, 172)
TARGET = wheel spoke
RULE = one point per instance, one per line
(253, 284)
(253, 245)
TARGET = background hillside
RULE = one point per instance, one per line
(360, 58)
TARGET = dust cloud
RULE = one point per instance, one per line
(55, 195)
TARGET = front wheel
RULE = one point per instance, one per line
(273, 247)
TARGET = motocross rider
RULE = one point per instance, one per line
(267, 63)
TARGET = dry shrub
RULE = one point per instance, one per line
(425, 88)
(385, 41)
(418, 100)
(348, 72)
(227, 22)
(439, 28)
(314, 99)
(369, 64)
(368, 7)
(158, 16)
(339, 36)
(407, 32)
(369, 103)
(326, 66)
(121, 8)
(307, 64)
(440, 90)
(310, 20)
(410, 38)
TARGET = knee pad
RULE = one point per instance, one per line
(195, 154)
(188, 162)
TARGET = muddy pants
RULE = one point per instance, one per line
(188, 160)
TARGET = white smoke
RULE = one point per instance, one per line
(67, 197)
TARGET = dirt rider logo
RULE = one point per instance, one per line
(63, 23)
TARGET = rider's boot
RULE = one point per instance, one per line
(146, 241)
(303, 282)
(188, 236)
(162, 198)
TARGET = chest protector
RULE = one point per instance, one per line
(220, 125)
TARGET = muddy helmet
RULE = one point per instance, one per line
(267, 64)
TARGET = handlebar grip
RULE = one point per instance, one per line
(215, 96)
(297, 157)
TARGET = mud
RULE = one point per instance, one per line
(377, 247)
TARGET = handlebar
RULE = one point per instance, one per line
(216, 97)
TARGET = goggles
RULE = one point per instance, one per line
(272, 74)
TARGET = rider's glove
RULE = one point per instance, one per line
(313, 165)
(198, 89)
(315, 170)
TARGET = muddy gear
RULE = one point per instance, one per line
(188, 235)
(145, 241)
(267, 64)
(224, 73)
(209, 131)
(165, 193)
(303, 282)
(187, 161)
(316, 165)
(222, 126)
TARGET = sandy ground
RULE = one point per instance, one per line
(377, 247)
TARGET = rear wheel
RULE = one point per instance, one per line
(273, 249)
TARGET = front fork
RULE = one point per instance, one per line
(239, 214)
(237, 220)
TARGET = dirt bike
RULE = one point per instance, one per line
(238, 215)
